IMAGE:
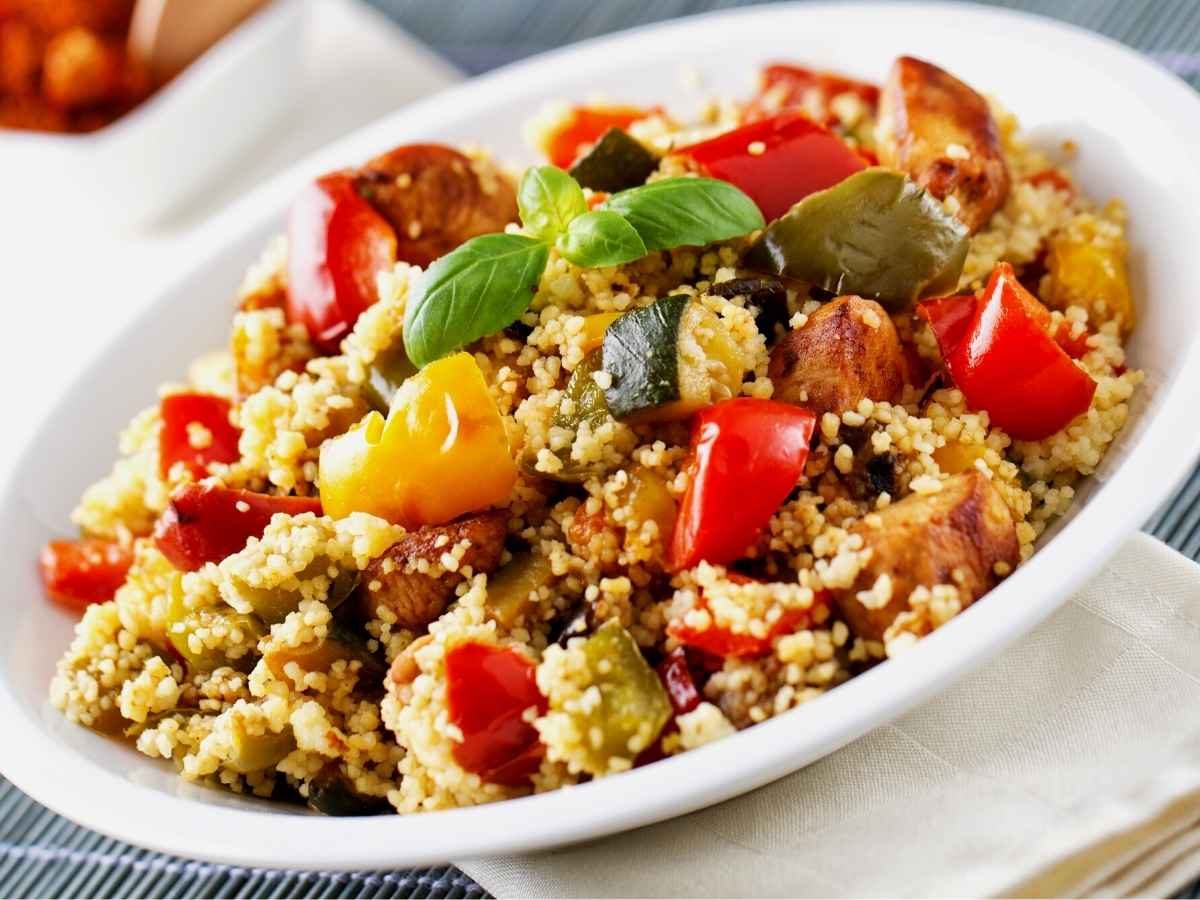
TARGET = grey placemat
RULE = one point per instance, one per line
(43, 855)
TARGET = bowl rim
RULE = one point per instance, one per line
(32, 760)
(243, 39)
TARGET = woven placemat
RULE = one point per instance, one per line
(44, 855)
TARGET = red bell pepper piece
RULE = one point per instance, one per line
(747, 455)
(488, 689)
(337, 244)
(80, 573)
(777, 161)
(1054, 178)
(206, 523)
(999, 354)
(796, 86)
(676, 677)
(585, 125)
(177, 443)
(724, 643)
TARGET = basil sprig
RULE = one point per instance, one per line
(486, 283)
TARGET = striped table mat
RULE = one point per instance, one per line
(43, 855)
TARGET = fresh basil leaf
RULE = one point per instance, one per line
(473, 291)
(548, 200)
(600, 238)
(686, 212)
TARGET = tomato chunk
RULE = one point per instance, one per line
(585, 125)
(746, 457)
(777, 161)
(80, 573)
(488, 689)
(206, 523)
(196, 431)
(337, 244)
(999, 354)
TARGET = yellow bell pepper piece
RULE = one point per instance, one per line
(955, 458)
(1092, 274)
(594, 327)
(441, 452)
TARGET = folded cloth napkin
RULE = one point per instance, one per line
(1070, 766)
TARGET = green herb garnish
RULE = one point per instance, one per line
(488, 282)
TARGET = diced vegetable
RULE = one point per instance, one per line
(255, 752)
(273, 605)
(199, 636)
(633, 707)
(651, 501)
(387, 371)
(747, 455)
(956, 457)
(443, 423)
(331, 793)
(319, 656)
(488, 690)
(512, 594)
(583, 126)
(784, 86)
(206, 523)
(79, 573)
(767, 294)
(1088, 272)
(196, 432)
(668, 360)
(738, 645)
(676, 677)
(1004, 361)
(594, 328)
(777, 161)
(941, 132)
(583, 402)
(337, 245)
(876, 234)
(614, 163)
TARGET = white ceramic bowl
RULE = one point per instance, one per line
(171, 146)
(1139, 130)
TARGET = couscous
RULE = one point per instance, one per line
(511, 480)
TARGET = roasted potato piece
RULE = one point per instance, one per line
(436, 198)
(846, 351)
(941, 132)
(956, 536)
(417, 598)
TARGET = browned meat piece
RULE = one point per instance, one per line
(847, 350)
(417, 598)
(80, 69)
(956, 536)
(941, 132)
(436, 198)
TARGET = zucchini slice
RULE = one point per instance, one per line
(614, 163)
(668, 360)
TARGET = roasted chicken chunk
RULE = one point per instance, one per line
(941, 132)
(848, 350)
(396, 581)
(956, 536)
(436, 198)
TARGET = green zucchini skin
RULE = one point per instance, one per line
(329, 793)
(614, 163)
(641, 354)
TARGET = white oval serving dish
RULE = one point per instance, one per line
(1139, 132)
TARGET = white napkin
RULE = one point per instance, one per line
(1070, 766)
